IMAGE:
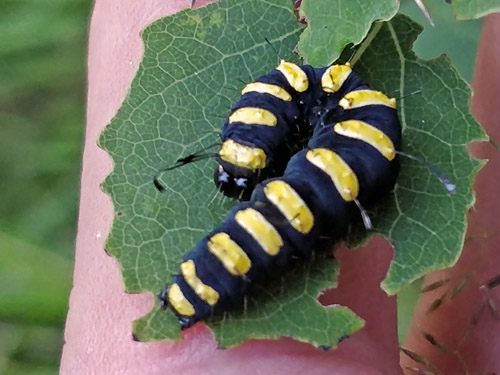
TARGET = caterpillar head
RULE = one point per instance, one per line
(234, 184)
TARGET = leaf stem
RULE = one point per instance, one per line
(366, 43)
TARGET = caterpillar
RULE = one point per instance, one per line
(350, 160)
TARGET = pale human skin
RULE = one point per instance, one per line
(98, 330)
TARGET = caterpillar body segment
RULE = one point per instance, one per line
(376, 174)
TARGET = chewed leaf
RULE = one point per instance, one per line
(425, 223)
(194, 66)
(333, 24)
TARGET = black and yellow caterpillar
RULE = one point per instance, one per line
(350, 160)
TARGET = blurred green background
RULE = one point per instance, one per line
(42, 111)
(42, 116)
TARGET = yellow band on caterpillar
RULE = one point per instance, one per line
(177, 300)
(295, 76)
(337, 169)
(267, 88)
(260, 229)
(334, 77)
(234, 259)
(242, 155)
(253, 116)
(369, 134)
(205, 292)
(362, 98)
(290, 204)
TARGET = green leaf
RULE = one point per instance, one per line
(333, 24)
(470, 9)
(190, 75)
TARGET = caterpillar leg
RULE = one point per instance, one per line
(163, 297)
(184, 321)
